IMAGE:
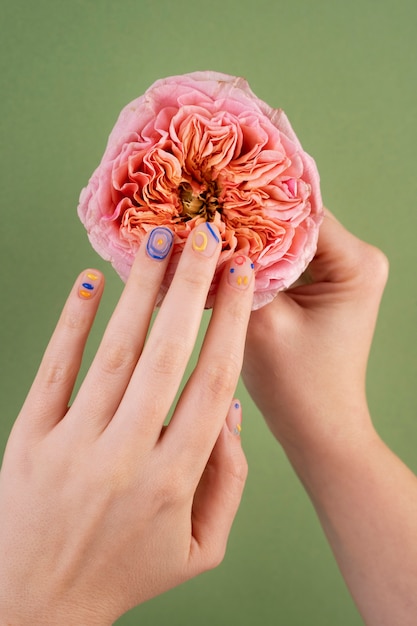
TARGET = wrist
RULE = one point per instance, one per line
(70, 617)
(309, 435)
(318, 454)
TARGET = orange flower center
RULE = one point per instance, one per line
(204, 204)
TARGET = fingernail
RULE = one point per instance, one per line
(159, 243)
(89, 284)
(234, 418)
(240, 272)
(205, 239)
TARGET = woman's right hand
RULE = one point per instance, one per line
(306, 352)
(305, 365)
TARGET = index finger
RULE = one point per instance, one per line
(338, 252)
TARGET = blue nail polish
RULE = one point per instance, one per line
(159, 243)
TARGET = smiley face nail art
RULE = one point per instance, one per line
(205, 239)
(240, 272)
(89, 283)
(159, 243)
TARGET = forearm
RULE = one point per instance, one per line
(366, 500)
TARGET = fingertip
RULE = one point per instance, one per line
(234, 418)
(89, 284)
(158, 243)
(239, 273)
(206, 239)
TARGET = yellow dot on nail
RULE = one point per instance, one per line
(85, 294)
(239, 280)
(160, 242)
(239, 427)
(92, 276)
(245, 280)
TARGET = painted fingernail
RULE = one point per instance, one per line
(88, 287)
(234, 418)
(240, 272)
(205, 239)
(159, 243)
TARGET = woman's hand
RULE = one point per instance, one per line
(306, 352)
(305, 365)
(101, 506)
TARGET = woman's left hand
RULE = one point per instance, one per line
(101, 505)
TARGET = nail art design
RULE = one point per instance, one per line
(240, 272)
(159, 243)
(234, 418)
(205, 239)
(88, 287)
(237, 430)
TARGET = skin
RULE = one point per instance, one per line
(89, 496)
(305, 365)
(101, 506)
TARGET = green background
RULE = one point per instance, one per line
(345, 73)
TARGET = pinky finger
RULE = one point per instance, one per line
(48, 398)
(219, 494)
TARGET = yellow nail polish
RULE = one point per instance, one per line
(205, 239)
(88, 287)
(240, 272)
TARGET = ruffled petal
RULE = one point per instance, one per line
(201, 147)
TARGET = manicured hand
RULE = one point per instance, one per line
(101, 506)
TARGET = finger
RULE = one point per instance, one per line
(339, 252)
(125, 335)
(48, 398)
(159, 372)
(219, 494)
(198, 417)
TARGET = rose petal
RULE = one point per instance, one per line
(201, 147)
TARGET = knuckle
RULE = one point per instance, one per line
(172, 488)
(237, 473)
(238, 314)
(122, 478)
(168, 356)
(374, 264)
(117, 357)
(74, 320)
(240, 471)
(59, 373)
(221, 374)
(196, 279)
(380, 264)
(214, 556)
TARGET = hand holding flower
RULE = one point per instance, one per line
(305, 363)
(101, 505)
(306, 352)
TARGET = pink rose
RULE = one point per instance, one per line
(203, 147)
